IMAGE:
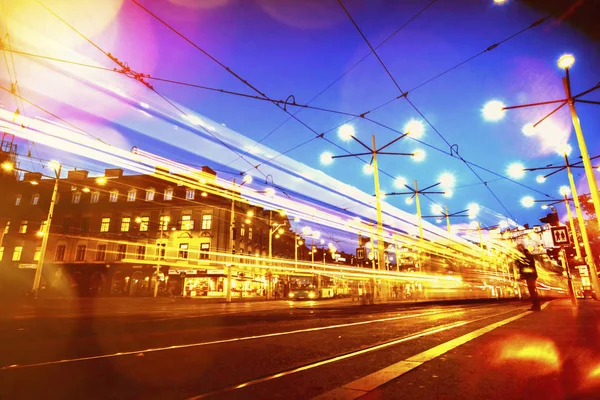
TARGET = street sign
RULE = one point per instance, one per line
(560, 236)
(360, 253)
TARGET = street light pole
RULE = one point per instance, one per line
(46, 233)
(232, 242)
(380, 244)
(448, 221)
(585, 156)
(582, 228)
(418, 202)
(572, 226)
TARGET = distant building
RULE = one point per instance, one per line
(117, 235)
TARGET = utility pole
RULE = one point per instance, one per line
(45, 231)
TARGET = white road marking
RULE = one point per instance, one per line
(368, 383)
(222, 341)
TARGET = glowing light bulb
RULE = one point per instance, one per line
(529, 130)
(516, 170)
(419, 155)
(540, 179)
(414, 129)
(437, 209)
(493, 110)
(345, 132)
(399, 182)
(527, 201)
(566, 61)
(564, 190)
(473, 209)
(564, 149)
(326, 158)
(447, 180)
(368, 169)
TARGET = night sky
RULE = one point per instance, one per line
(302, 48)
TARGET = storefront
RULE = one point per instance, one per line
(213, 283)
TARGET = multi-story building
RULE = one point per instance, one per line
(118, 234)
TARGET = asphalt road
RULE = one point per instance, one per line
(241, 351)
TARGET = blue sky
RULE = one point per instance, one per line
(286, 49)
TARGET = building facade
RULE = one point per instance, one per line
(117, 235)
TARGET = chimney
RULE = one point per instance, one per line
(112, 173)
(77, 175)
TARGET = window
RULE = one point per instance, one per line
(35, 199)
(37, 254)
(161, 251)
(249, 233)
(17, 253)
(121, 251)
(186, 223)
(1, 253)
(131, 195)
(242, 230)
(76, 197)
(190, 194)
(114, 196)
(18, 200)
(6, 227)
(204, 249)
(42, 229)
(105, 224)
(150, 194)
(164, 222)
(80, 254)
(168, 194)
(206, 221)
(60, 252)
(85, 225)
(95, 197)
(125, 222)
(183, 250)
(144, 222)
(23, 227)
(101, 252)
(141, 252)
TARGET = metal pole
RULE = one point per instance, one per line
(584, 236)
(448, 221)
(232, 242)
(45, 234)
(418, 210)
(572, 226)
(479, 233)
(565, 265)
(295, 251)
(380, 241)
(270, 255)
(585, 157)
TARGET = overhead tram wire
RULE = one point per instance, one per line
(245, 82)
(287, 103)
(404, 94)
(346, 72)
(140, 77)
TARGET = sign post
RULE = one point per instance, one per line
(560, 238)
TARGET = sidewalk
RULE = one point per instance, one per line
(553, 354)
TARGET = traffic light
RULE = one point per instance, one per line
(551, 219)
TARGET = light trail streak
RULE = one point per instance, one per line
(426, 332)
(223, 341)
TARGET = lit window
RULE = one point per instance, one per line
(23, 227)
(6, 227)
(206, 221)
(121, 251)
(43, 227)
(150, 194)
(131, 195)
(250, 233)
(1, 253)
(186, 223)
(105, 224)
(141, 252)
(183, 250)
(17, 253)
(190, 194)
(80, 254)
(161, 251)
(204, 249)
(168, 194)
(18, 200)
(35, 199)
(101, 252)
(125, 222)
(242, 230)
(114, 196)
(145, 221)
(95, 197)
(76, 197)
(60, 252)
(37, 254)
(164, 222)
